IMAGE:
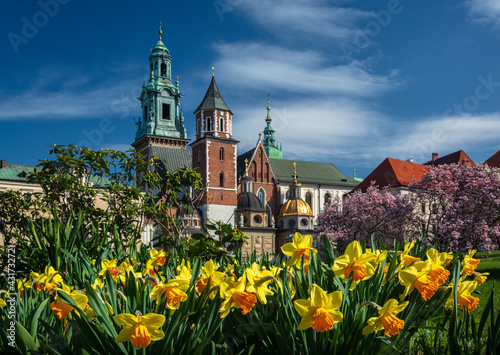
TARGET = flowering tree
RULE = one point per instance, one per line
(362, 214)
(460, 205)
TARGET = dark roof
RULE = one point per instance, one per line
(247, 201)
(14, 172)
(453, 158)
(494, 160)
(309, 172)
(172, 158)
(213, 99)
(240, 162)
(392, 173)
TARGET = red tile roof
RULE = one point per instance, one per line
(393, 173)
(494, 160)
(453, 158)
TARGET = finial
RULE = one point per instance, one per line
(213, 71)
(246, 166)
(150, 50)
(177, 81)
(160, 31)
(260, 135)
(295, 172)
(143, 82)
(354, 173)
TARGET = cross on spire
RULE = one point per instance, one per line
(295, 172)
(246, 166)
(213, 71)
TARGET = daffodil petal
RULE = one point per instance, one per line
(126, 319)
(125, 335)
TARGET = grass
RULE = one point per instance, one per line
(489, 263)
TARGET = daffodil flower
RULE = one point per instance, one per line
(140, 330)
(208, 272)
(2, 303)
(173, 293)
(387, 319)
(258, 281)
(320, 310)
(412, 278)
(470, 264)
(301, 245)
(355, 262)
(464, 297)
(480, 278)
(235, 296)
(434, 265)
(109, 265)
(62, 309)
(405, 258)
(158, 257)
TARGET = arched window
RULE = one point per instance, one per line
(221, 154)
(254, 173)
(145, 113)
(199, 156)
(221, 124)
(327, 197)
(209, 127)
(156, 69)
(287, 195)
(163, 69)
(266, 176)
(262, 196)
(221, 179)
(309, 199)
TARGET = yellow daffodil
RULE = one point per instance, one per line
(2, 303)
(404, 256)
(234, 295)
(258, 281)
(386, 319)
(434, 265)
(183, 267)
(301, 245)
(173, 291)
(208, 272)
(158, 257)
(140, 330)
(109, 265)
(47, 281)
(62, 309)
(355, 262)
(480, 278)
(464, 297)
(413, 278)
(320, 310)
(470, 264)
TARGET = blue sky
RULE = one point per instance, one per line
(351, 82)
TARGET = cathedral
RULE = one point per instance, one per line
(267, 197)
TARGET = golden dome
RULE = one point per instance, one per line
(295, 207)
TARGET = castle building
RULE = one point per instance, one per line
(257, 190)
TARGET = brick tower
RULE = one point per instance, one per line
(214, 153)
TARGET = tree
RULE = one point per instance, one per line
(462, 206)
(362, 214)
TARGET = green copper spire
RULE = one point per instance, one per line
(272, 148)
(160, 97)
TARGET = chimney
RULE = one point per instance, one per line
(2, 164)
(434, 156)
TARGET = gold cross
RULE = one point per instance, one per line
(246, 165)
(295, 171)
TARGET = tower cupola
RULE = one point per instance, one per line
(273, 149)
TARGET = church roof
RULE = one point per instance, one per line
(309, 172)
(494, 160)
(240, 162)
(172, 158)
(454, 158)
(393, 173)
(295, 207)
(247, 201)
(15, 172)
(213, 99)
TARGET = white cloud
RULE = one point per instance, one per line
(299, 19)
(485, 11)
(58, 95)
(259, 66)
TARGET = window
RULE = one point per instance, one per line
(209, 127)
(327, 198)
(423, 207)
(221, 179)
(309, 199)
(165, 111)
(257, 219)
(434, 208)
(221, 154)
(303, 222)
(262, 196)
(287, 195)
(145, 113)
(199, 156)
(291, 223)
(266, 176)
(163, 69)
(221, 124)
